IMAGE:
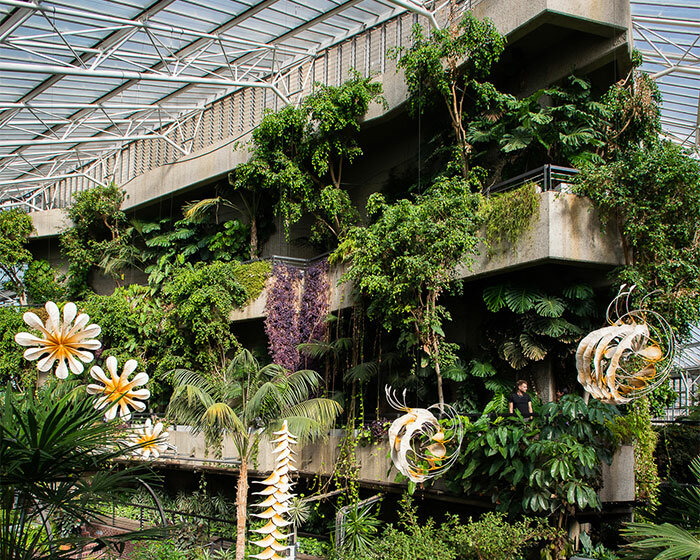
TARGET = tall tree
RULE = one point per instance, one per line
(15, 228)
(240, 401)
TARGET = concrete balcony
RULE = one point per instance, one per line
(374, 462)
(566, 230)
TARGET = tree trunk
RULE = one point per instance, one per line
(441, 395)
(241, 507)
(253, 238)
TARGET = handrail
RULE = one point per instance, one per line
(548, 177)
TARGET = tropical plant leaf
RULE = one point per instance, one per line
(578, 291)
(549, 306)
(520, 300)
(481, 369)
(362, 371)
(531, 348)
(660, 542)
(494, 297)
(512, 353)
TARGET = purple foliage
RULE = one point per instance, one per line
(288, 321)
(314, 302)
(282, 321)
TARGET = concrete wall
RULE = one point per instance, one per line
(374, 462)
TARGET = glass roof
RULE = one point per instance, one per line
(83, 76)
(667, 33)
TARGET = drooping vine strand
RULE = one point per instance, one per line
(296, 314)
(282, 316)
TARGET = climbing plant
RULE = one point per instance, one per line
(508, 215)
(406, 258)
(448, 66)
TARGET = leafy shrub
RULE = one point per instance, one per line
(313, 547)
(492, 537)
(550, 465)
(41, 284)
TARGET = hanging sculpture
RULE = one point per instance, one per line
(150, 440)
(419, 444)
(630, 357)
(117, 391)
(66, 342)
(277, 494)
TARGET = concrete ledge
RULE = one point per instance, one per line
(567, 229)
(375, 467)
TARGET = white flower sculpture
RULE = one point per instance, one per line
(151, 439)
(62, 341)
(117, 392)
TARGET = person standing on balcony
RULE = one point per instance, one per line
(520, 400)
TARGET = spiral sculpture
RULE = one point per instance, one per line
(630, 357)
(420, 449)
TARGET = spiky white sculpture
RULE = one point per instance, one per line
(277, 495)
(630, 357)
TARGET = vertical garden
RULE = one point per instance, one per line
(417, 315)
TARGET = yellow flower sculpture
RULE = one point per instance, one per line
(277, 492)
(116, 391)
(419, 445)
(151, 439)
(65, 342)
(630, 357)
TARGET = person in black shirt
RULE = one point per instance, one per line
(520, 400)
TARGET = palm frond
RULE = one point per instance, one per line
(362, 371)
(660, 542)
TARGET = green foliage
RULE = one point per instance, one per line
(648, 190)
(407, 257)
(361, 526)
(41, 284)
(14, 369)
(135, 326)
(493, 537)
(447, 65)
(597, 551)
(100, 237)
(508, 215)
(252, 277)
(567, 129)
(197, 237)
(549, 465)
(678, 444)
(531, 324)
(203, 297)
(313, 547)
(15, 228)
(678, 541)
(298, 157)
(56, 453)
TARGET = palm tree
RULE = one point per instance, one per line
(57, 459)
(244, 402)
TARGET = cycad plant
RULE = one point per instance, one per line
(56, 462)
(244, 402)
(679, 540)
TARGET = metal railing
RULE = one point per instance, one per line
(548, 177)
